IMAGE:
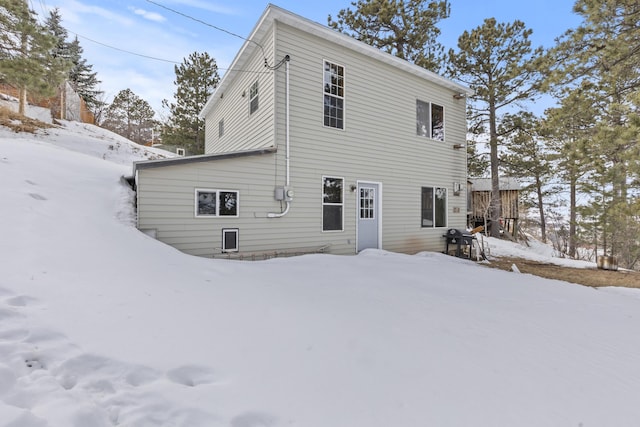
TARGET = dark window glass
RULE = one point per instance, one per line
(206, 203)
(422, 118)
(253, 98)
(440, 208)
(332, 203)
(228, 203)
(437, 122)
(427, 207)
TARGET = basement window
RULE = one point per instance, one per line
(230, 237)
(216, 203)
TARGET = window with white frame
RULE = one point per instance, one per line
(332, 203)
(429, 120)
(333, 81)
(220, 128)
(253, 98)
(230, 238)
(216, 203)
(367, 203)
(434, 207)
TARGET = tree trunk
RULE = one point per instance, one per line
(543, 222)
(22, 98)
(572, 215)
(495, 206)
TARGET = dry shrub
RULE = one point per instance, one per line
(19, 123)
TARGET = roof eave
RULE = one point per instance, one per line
(274, 13)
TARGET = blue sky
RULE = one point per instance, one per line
(144, 28)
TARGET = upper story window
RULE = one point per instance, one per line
(253, 98)
(333, 81)
(430, 120)
(220, 128)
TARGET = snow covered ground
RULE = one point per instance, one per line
(100, 325)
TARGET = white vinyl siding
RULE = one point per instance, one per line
(378, 145)
(245, 129)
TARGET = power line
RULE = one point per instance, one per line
(264, 55)
(157, 59)
(123, 50)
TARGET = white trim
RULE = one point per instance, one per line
(217, 193)
(373, 208)
(430, 118)
(276, 14)
(433, 200)
(229, 230)
(343, 97)
(444, 122)
(322, 204)
(378, 207)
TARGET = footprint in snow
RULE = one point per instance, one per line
(20, 301)
(37, 196)
(14, 335)
(4, 292)
(191, 375)
(254, 419)
(8, 314)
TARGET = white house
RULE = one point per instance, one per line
(314, 142)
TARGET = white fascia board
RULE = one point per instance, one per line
(275, 13)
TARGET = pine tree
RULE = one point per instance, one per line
(601, 58)
(130, 116)
(60, 51)
(568, 129)
(404, 28)
(83, 79)
(496, 61)
(27, 53)
(196, 78)
(528, 159)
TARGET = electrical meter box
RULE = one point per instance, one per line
(284, 193)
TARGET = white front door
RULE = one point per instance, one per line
(368, 215)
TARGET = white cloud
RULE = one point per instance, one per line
(151, 16)
(208, 6)
(72, 11)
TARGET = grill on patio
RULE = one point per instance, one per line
(460, 242)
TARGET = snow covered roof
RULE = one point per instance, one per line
(484, 184)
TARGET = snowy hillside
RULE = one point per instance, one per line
(100, 325)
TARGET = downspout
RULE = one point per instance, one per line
(286, 138)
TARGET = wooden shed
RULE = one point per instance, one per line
(479, 192)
